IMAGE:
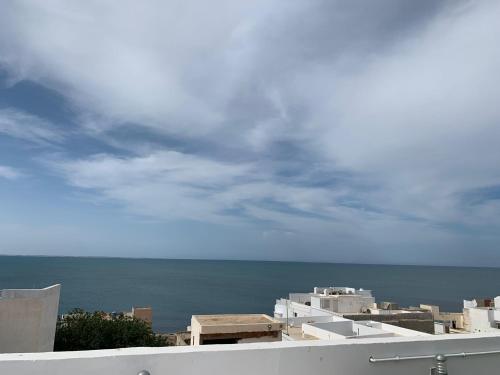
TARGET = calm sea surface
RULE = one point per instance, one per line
(176, 289)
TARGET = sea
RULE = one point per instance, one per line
(177, 289)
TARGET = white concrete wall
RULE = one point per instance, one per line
(320, 333)
(349, 304)
(323, 330)
(470, 304)
(480, 320)
(496, 315)
(497, 302)
(343, 303)
(346, 357)
(348, 329)
(28, 319)
(297, 321)
(280, 310)
(400, 331)
(300, 297)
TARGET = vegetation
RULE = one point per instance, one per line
(82, 330)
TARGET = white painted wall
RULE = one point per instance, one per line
(28, 319)
(400, 331)
(470, 304)
(297, 321)
(346, 357)
(497, 302)
(300, 297)
(321, 333)
(323, 330)
(343, 303)
(348, 329)
(280, 310)
(481, 320)
(348, 304)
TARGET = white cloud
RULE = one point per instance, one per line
(173, 185)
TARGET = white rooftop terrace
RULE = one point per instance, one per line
(342, 357)
(348, 329)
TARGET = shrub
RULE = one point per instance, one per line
(82, 330)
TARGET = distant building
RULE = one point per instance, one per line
(448, 320)
(342, 300)
(28, 319)
(353, 304)
(482, 315)
(141, 313)
(234, 329)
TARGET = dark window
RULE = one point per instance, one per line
(219, 341)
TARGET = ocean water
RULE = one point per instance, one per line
(177, 289)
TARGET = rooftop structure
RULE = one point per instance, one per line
(28, 319)
(450, 321)
(349, 329)
(350, 303)
(482, 315)
(142, 313)
(233, 329)
(342, 299)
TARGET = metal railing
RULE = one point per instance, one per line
(429, 356)
(440, 359)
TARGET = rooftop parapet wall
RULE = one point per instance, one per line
(422, 322)
(346, 357)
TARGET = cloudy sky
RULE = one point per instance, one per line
(344, 131)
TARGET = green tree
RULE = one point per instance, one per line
(82, 330)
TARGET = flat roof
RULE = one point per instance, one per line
(232, 319)
(296, 334)
(233, 323)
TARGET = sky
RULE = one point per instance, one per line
(300, 130)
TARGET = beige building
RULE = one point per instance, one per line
(234, 329)
(142, 313)
(455, 320)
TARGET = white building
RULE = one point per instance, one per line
(479, 317)
(342, 300)
(350, 303)
(325, 301)
(28, 319)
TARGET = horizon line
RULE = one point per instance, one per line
(242, 260)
